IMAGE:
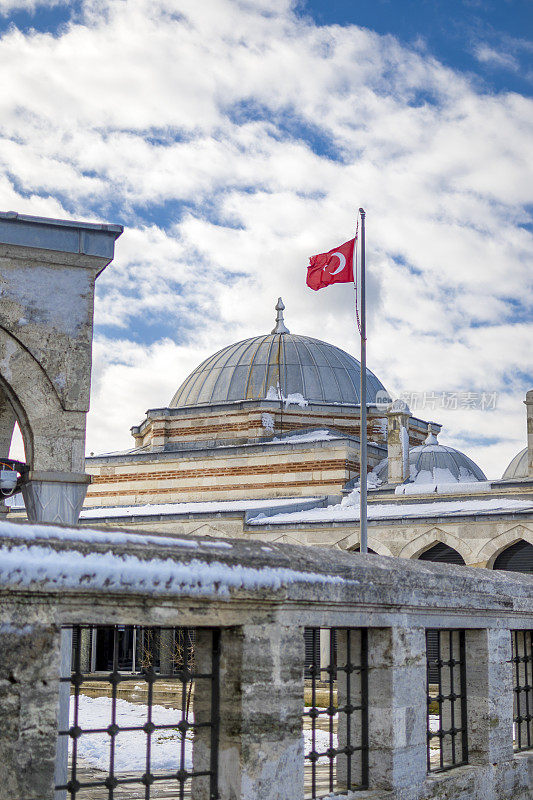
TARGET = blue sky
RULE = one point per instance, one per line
(487, 38)
(234, 138)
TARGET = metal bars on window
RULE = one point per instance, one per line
(336, 711)
(522, 660)
(137, 732)
(447, 744)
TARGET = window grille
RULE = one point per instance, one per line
(447, 745)
(133, 729)
(523, 688)
(336, 713)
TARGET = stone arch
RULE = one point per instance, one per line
(492, 549)
(415, 548)
(352, 541)
(53, 437)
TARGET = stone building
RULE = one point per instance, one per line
(261, 441)
(274, 416)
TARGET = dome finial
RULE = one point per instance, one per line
(280, 323)
(432, 434)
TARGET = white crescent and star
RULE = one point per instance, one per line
(342, 263)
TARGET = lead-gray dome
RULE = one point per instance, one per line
(518, 466)
(434, 463)
(253, 368)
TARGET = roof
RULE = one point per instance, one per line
(348, 512)
(69, 236)
(435, 464)
(518, 466)
(253, 369)
(277, 366)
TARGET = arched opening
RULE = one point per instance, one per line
(516, 558)
(17, 448)
(358, 550)
(443, 553)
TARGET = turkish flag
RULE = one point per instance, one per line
(333, 267)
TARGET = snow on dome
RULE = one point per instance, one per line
(278, 365)
(517, 467)
(434, 464)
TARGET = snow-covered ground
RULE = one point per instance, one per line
(130, 746)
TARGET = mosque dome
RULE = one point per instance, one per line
(306, 368)
(434, 463)
(518, 466)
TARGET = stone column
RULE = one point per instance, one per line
(398, 441)
(61, 765)
(325, 653)
(54, 496)
(29, 694)
(261, 704)
(397, 708)
(489, 693)
(529, 410)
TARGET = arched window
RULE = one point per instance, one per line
(441, 552)
(516, 558)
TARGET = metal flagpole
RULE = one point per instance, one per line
(363, 430)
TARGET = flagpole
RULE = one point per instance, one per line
(363, 426)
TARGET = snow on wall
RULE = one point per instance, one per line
(23, 566)
(267, 421)
(320, 435)
(14, 531)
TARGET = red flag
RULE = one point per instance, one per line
(333, 267)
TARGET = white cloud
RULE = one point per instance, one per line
(498, 58)
(270, 131)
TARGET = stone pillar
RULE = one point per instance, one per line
(398, 441)
(489, 693)
(261, 705)
(54, 496)
(397, 708)
(61, 765)
(529, 411)
(29, 693)
(325, 653)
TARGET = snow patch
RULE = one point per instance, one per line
(348, 512)
(321, 435)
(267, 421)
(209, 507)
(293, 399)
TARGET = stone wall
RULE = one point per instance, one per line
(226, 473)
(241, 422)
(260, 598)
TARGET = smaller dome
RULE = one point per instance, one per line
(434, 463)
(518, 466)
